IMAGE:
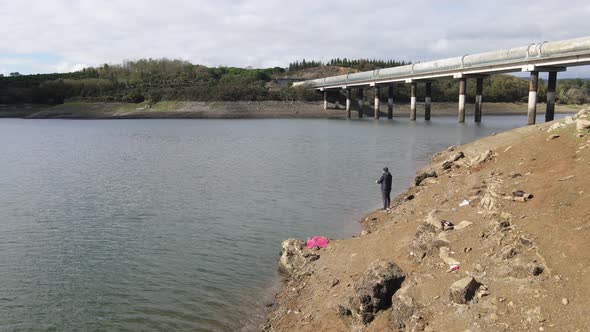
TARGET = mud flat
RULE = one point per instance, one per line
(513, 254)
(240, 109)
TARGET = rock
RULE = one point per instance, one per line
(462, 291)
(463, 224)
(535, 269)
(552, 137)
(508, 252)
(582, 113)
(343, 311)
(569, 177)
(365, 232)
(565, 301)
(403, 314)
(555, 126)
(568, 120)
(375, 289)
(421, 177)
(334, 282)
(582, 124)
(409, 198)
(294, 256)
(443, 253)
(487, 155)
(451, 148)
(426, 242)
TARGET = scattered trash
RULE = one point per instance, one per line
(317, 241)
(508, 148)
(453, 267)
(518, 193)
(446, 225)
(464, 203)
(520, 196)
(569, 177)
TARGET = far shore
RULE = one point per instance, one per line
(244, 109)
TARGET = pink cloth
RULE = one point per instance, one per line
(319, 241)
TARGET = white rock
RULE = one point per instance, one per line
(555, 126)
(582, 124)
(568, 120)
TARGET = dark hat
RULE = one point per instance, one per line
(385, 169)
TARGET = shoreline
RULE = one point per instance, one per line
(529, 271)
(244, 110)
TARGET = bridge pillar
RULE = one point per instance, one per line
(361, 101)
(462, 89)
(376, 102)
(427, 101)
(337, 102)
(532, 110)
(325, 100)
(551, 84)
(390, 102)
(348, 102)
(478, 98)
(413, 101)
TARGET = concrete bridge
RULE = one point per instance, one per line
(550, 57)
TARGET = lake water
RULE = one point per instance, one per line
(176, 225)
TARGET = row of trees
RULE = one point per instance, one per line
(162, 79)
(360, 64)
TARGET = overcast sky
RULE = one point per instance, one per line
(65, 35)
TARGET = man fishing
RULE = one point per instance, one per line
(385, 182)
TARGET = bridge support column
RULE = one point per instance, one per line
(462, 89)
(551, 84)
(478, 98)
(376, 102)
(390, 102)
(348, 102)
(532, 110)
(361, 102)
(413, 101)
(427, 101)
(337, 103)
(325, 100)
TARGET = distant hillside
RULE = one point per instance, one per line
(155, 80)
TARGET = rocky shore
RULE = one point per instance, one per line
(492, 236)
(238, 110)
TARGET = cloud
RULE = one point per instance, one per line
(263, 33)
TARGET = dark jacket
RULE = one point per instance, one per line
(385, 182)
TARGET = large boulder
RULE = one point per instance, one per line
(582, 124)
(294, 256)
(374, 291)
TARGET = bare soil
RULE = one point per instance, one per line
(502, 247)
(241, 109)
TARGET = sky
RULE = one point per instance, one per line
(67, 35)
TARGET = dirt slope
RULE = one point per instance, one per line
(531, 258)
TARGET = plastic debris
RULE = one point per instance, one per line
(446, 225)
(453, 267)
(464, 203)
(317, 241)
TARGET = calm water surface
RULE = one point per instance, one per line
(176, 224)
